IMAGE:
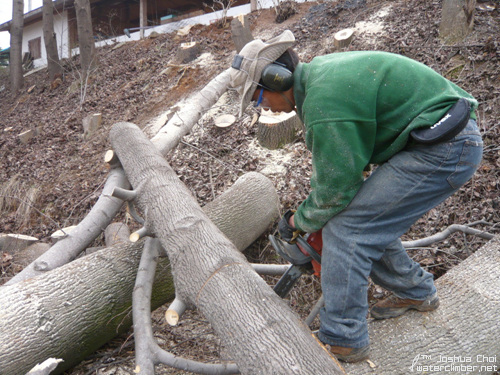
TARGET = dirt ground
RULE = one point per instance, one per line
(53, 181)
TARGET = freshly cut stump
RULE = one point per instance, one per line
(277, 129)
(187, 52)
(343, 38)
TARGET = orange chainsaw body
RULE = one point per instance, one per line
(315, 240)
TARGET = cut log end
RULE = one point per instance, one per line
(134, 237)
(111, 158)
(277, 129)
(172, 317)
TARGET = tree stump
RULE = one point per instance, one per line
(13, 243)
(61, 233)
(240, 32)
(343, 38)
(187, 52)
(91, 123)
(277, 129)
(457, 19)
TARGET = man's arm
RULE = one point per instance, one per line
(340, 152)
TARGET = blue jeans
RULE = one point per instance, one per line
(364, 239)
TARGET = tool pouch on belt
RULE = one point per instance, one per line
(445, 129)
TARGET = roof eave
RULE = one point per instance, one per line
(37, 13)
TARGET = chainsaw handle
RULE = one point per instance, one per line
(302, 242)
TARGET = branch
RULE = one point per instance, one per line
(148, 353)
(446, 233)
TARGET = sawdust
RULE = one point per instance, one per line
(373, 28)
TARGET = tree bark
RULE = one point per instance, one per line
(463, 328)
(85, 37)
(53, 65)
(258, 329)
(240, 32)
(457, 19)
(16, 47)
(72, 311)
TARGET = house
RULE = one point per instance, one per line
(111, 19)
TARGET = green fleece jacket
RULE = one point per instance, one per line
(358, 109)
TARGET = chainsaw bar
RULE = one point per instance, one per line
(301, 264)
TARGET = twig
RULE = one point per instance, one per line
(212, 156)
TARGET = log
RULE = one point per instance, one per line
(116, 233)
(70, 312)
(28, 255)
(457, 20)
(254, 324)
(343, 38)
(462, 331)
(275, 129)
(240, 32)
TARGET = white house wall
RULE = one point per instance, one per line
(35, 30)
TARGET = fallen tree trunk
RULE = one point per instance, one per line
(460, 337)
(259, 331)
(70, 312)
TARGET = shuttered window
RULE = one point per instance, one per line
(35, 47)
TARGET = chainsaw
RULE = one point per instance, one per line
(304, 254)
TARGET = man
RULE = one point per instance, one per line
(362, 108)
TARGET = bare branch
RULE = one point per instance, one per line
(445, 234)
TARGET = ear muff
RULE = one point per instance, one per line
(276, 77)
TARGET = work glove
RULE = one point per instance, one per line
(286, 231)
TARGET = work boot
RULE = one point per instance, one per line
(393, 306)
(350, 355)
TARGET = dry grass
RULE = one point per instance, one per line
(10, 192)
(25, 209)
(19, 198)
